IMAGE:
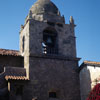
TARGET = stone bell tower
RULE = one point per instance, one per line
(49, 50)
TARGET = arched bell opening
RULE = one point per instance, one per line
(49, 43)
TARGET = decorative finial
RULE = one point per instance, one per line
(71, 20)
(22, 27)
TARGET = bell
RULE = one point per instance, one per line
(43, 44)
(49, 40)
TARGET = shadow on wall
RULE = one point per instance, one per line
(85, 83)
(89, 81)
(4, 95)
(1, 68)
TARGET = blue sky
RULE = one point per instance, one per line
(86, 14)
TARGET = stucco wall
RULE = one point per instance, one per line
(88, 75)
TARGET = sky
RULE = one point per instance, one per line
(86, 14)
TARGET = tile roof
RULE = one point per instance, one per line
(91, 62)
(15, 73)
(9, 52)
(16, 78)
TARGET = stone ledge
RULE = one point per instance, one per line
(49, 56)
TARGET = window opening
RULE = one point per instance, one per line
(49, 43)
(52, 95)
(51, 23)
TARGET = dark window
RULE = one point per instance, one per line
(23, 43)
(49, 40)
(49, 43)
(52, 95)
(19, 90)
(60, 25)
(51, 23)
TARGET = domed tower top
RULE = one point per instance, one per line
(45, 6)
(45, 10)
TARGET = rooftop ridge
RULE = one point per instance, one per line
(91, 62)
(8, 49)
(9, 52)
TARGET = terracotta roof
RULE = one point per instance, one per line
(15, 73)
(9, 52)
(91, 62)
(16, 78)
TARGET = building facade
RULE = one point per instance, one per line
(46, 66)
(89, 77)
(44, 40)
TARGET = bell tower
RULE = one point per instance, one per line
(49, 50)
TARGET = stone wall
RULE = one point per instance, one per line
(24, 33)
(33, 32)
(47, 72)
(59, 75)
(14, 61)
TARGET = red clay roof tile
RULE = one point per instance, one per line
(16, 78)
(91, 62)
(14, 73)
(9, 52)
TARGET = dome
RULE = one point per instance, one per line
(44, 7)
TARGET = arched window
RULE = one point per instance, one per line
(49, 43)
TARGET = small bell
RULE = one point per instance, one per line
(49, 40)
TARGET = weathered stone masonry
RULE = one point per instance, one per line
(47, 62)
